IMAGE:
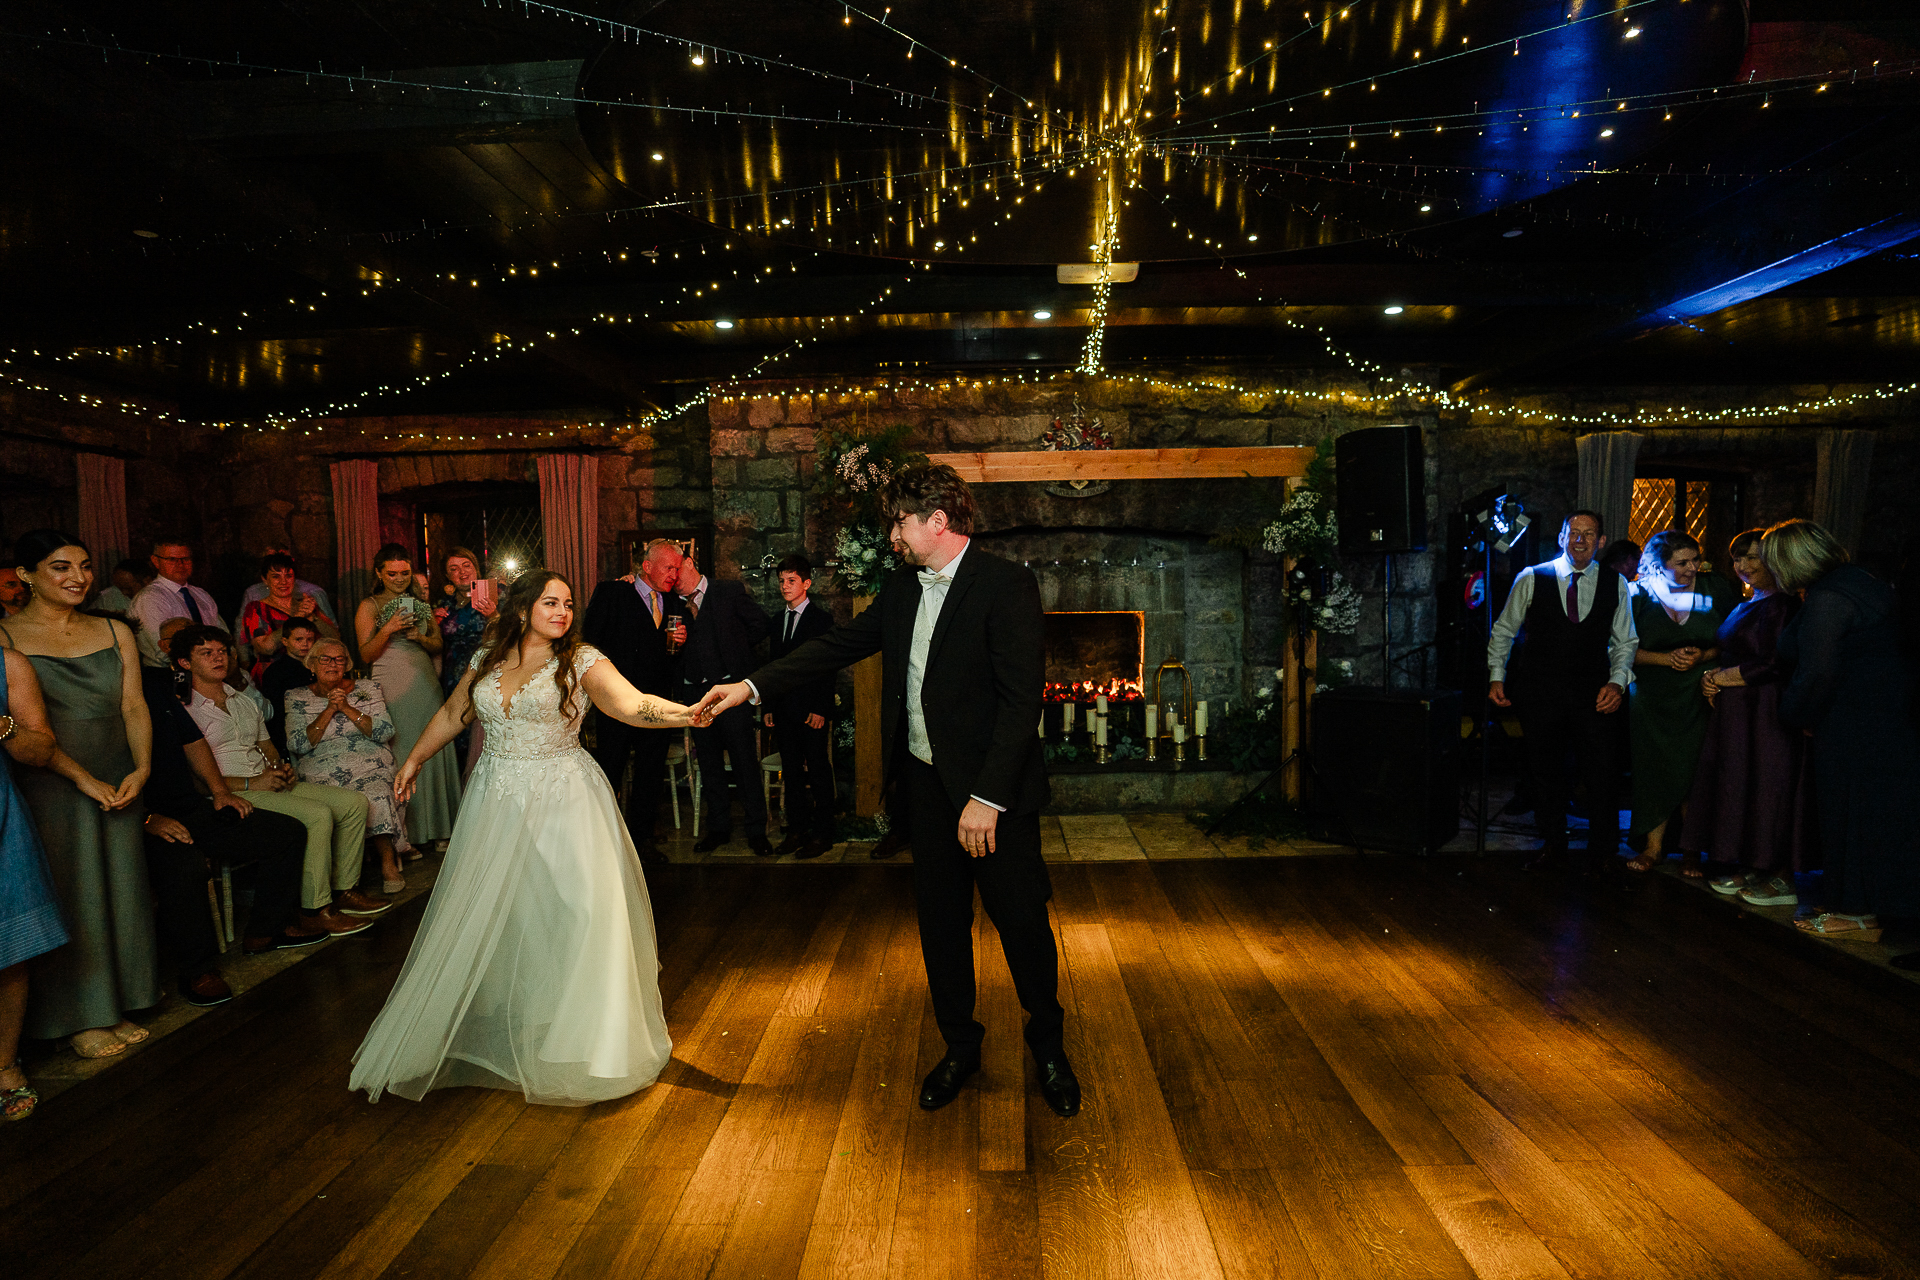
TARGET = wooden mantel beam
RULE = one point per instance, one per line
(1129, 464)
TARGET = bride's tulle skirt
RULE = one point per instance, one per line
(535, 966)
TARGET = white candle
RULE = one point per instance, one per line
(1101, 702)
(1153, 720)
(1179, 732)
(1066, 717)
(1200, 720)
(1100, 731)
(1043, 725)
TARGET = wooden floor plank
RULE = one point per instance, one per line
(1252, 1232)
(1494, 1238)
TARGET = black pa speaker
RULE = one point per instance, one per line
(1380, 493)
(1386, 768)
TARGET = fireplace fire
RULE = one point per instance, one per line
(1093, 654)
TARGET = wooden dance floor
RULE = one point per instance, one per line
(1314, 1067)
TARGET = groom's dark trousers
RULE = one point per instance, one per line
(985, 667)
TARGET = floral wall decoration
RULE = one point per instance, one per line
(851, 474)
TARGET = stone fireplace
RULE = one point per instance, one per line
(1093, 652)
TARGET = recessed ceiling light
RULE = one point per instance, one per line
(658, 156)
(1632, 32)
(1043, 315)
(1426, 208)
(723, 324)
(1606, 133)
(1510, 234)
(1395, 310)
(699, 60)
(1253, 237)
(146, 235)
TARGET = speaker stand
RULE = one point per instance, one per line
(1386, 620)
(1305, 757)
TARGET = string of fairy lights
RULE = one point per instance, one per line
(1121, 146)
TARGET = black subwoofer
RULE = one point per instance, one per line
(1386, 768)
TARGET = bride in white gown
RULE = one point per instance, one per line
(534, 968)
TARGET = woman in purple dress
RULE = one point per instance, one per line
(1752, 799)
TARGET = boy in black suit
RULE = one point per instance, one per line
(799, 719)
(962, 664)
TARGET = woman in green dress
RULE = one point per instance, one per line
(1677, 610)
(399, 639)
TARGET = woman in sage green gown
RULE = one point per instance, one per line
(398, 638)
(1677, 612)
(86, 805)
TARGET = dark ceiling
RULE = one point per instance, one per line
(288, 207)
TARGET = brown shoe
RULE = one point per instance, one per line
(335, 923)
(358, 902)
(205, 991)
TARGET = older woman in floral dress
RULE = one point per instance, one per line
(337, 731)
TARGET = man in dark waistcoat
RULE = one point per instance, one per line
(1561, 654)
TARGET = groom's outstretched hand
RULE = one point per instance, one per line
(722, 697)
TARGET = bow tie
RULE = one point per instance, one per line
(930, 576)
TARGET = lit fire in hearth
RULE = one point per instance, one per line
(1088, 690)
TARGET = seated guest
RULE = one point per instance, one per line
(335, 819)
(339, 730)
(190, 835)
(1677, 612)
(289, 670)
(798, 719)
(259, 630)
(1853, 688)
(130, 577)
(170, 595)
(13, 592)
(323, 603)
(1752, 798)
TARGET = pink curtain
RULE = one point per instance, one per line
(356, 529)
(570, 518)
(103, 513)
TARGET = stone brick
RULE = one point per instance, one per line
(738, 444)
(726, 473)
(681, 500)
(792, 439)
(750, 508)
(726, 413)
(764, 411)
(614, 469)
(769, 473)
(800, 409)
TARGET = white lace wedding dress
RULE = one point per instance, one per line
(534, 968)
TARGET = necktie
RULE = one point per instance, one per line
(693, 607)
(193, 606)
(653, 600)
(1573, 597)
(792, 618)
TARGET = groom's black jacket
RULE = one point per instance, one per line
(985, 669)
(619, 624)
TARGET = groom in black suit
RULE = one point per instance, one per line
(962, 662)
(627, 622)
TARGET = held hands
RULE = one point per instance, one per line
(977, 823)
(1682, 659)
(1609, 700)
(720, 698)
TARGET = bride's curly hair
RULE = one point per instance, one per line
(509, 627)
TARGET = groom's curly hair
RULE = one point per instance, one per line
(921, 491)
(509, 627)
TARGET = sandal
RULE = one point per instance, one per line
(107, 1045)
(1775, 891)
(18, 1104)
(1732, 884)
(1837, 924)
(128, 1032)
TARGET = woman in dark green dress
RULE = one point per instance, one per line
(86, 805)
(1677, 611)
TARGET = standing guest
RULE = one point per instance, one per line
(959, 634)
(339, 730)
(723, 625)
(799, 717)
(323, 603)
(290, 669)
(86, 803)
(1622, 557)
(13, 592)
(463, 620)
(398, 640)
(130, 577)
(259, 631)
(189, 836)
(335, 819)
(1752, 798)
(1567, 636)
(1677, 612)
(170, 595)
(627, 621)
(29, 913)
(1852, 689)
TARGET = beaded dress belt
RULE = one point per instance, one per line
(531, 755)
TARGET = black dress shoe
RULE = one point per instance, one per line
(760, 847)
(793, 844)
(889, 844)
(651, 853)
(711, 841)
(1059, 1087)
(942, 1084)
(814, 848)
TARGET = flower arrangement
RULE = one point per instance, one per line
(1305, 529)
(851, 471)
(1317, 605)
(1076, 433)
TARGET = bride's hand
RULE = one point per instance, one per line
(403, 782)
